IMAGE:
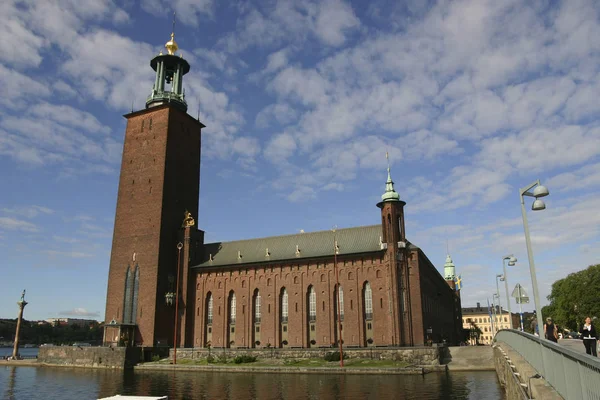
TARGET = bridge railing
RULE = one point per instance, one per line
(573, 375)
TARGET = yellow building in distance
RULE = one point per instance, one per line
(477, 320)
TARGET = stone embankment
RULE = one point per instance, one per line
(417, 356)
(518, 378)
(90, 357)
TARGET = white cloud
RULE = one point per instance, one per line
(187, 11)
(15, 224)
(80, 312)
(280, 113)
(29, 211)
(585, 178)
(280, 148)
(67, 254)
(334, 19)
(272, 23)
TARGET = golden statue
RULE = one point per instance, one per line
(188, 220)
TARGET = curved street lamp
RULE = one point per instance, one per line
(512, 260)
(538, 205)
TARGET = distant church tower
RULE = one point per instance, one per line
(159, 182)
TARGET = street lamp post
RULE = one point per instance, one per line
(501, 277)
(337, 279)
(512, 260)
(179, 247)
(538, 205)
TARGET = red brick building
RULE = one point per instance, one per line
(283, 291)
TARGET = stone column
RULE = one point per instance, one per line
(21, 305)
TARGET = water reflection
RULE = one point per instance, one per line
(67, 383)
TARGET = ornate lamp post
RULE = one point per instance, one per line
(21, 303)
(512, 260)
(337, 279)
(179, 247)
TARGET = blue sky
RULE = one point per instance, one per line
(472, 100)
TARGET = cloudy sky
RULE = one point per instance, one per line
(472, 100)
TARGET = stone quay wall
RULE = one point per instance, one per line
(513, 373)
(90, 357)
(422, 356)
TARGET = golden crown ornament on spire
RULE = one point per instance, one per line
(171, 45)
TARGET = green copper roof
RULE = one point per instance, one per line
(449, 262)
(390, 194)
(362, 239)
(449, 271)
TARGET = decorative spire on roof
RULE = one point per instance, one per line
(171, 45)
(390, 194)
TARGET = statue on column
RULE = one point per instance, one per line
(23, 296)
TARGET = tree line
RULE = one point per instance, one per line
(32, 333)
(574, 298)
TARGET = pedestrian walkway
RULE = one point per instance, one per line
(573, 344)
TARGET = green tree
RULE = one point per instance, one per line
(575, 297)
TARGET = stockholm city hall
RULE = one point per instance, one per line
(368, 284)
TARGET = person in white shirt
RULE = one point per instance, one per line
(589, 336)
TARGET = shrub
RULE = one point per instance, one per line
(155, 357)
(285, 342)
(244, 359)
(211, 359)
(334, 356)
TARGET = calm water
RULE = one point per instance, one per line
(26, 383)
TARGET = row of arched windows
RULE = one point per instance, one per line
(284, 310)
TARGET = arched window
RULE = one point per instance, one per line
(127, 296)
(368, 301)
(339, 300)
(209, 309)
(284, 305)
(232, 307)
(256, 306)
(136, 289)
(312, 304)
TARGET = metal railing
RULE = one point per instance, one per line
(573, 375)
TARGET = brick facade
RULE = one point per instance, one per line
(159, 179)
(409, 303)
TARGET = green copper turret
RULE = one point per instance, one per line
(170, 70)
(449, 269)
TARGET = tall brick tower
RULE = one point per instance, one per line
(394, 236)
(159, 182)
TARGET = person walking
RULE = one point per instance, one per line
(550, 331)
(588, 334)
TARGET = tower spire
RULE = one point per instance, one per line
(390, 194)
